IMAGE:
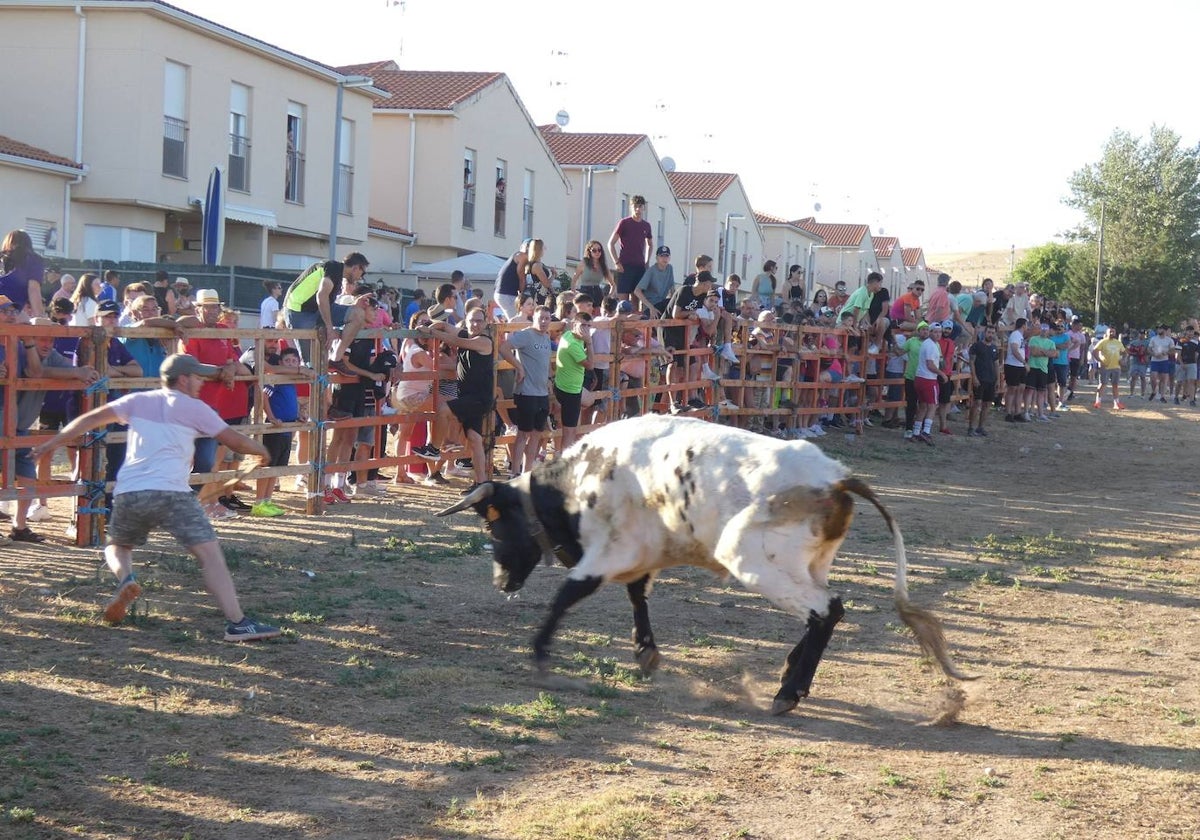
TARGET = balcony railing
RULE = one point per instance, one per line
(175, 134)
(293, 188)
(501, 216)
(345, 189)
(239, 163)
(469, 207)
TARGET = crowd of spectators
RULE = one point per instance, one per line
(547, 351)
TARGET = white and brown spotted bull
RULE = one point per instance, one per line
(653, 492)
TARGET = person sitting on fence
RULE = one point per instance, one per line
(38, 361)
(906, 310)
(310, 302)
(152, 487)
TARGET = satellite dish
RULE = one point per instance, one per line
(668, 164)
(562, 118)
(881, 231)
(817, 207)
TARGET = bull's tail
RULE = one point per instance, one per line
(925, 625)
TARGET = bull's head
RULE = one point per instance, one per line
(515, 551)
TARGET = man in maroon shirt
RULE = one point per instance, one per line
(636, 239)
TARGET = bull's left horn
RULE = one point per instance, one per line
(483, 491)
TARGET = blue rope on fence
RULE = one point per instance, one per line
(98, 511)
(100, 385)
(95, 437)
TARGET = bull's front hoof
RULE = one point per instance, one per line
(783, 705)
(648, 660)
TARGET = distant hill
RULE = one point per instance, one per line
(970, 267)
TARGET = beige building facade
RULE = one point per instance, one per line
(151, 98)
(719, 214)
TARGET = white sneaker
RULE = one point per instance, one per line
(708, 373)
(6, 508)
(854, 380)
(460, 472)
(38, 512)
(727, 353)
(730, 404)
(817, 430)
(301, 483)
(908, 433)
(217, 512)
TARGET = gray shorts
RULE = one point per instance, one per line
(136, 514)
(1185, 372)
(1110, 376)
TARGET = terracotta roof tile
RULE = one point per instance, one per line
(16, 148)
(837, 236)
(700, 186)
(912, 256)
(767, 219)
(429, 90)
(377, 224)
(368, 69)
(581, 149)
(884, 245)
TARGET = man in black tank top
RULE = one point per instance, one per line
(476, 389)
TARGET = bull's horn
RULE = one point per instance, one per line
(483, 491)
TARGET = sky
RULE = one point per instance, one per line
(954, 126)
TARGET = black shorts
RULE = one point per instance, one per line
(1073, 365)
(351, 398)
(531, 412)
(570, 405)
(628, 279)
(1014, 376)
(52, 421)
(1037, 379)
(985, 392)
(945, 391)
(470, 411)
(279, 448)
(676, 339)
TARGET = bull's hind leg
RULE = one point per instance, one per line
(645, 651)
(803, 660)
(571, 593)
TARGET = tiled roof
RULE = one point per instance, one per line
(377, 224)
(429, 90)
(836, 236)
(368, 69)
(579, 149)
(16, 148)
(884, 245)
(767, 219)
(700, 186)
(912, 256)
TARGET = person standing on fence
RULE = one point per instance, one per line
(476, 394)
(310, 303)
(531, 394)
(636, 239)
(152, 486)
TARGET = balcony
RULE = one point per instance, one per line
(345, 189)
(239, 163)
(175, 134)
(293, 188)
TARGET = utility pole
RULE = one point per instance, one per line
(1100, 262)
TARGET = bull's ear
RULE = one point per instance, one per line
(483, 491)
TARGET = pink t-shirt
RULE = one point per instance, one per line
(163, 427)
(938, 307)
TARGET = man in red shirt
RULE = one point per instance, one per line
(636, 238)
(229, 398)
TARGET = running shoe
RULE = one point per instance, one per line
(266, 508)
(249, 630)
(118, 605)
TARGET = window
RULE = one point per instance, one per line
(745, 252)
(239, 138)
(468, 208)
(102, 242)
(293, 189)
(624, 211)
(501, 196)
(175, 127)
(731, 264)
(527, 207)
(346, 169)
(660, 232)
(43, 233)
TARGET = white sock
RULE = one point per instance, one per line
(928, 426)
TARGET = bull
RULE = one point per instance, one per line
(648, 493)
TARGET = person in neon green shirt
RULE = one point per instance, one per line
(1108, 352)
(1040, 350)
(572, 357)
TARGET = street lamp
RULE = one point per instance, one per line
(725, 245)
(343, 83)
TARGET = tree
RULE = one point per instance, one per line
(1044, 268)
(1150, 194)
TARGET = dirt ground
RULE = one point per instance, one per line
(1062, 557)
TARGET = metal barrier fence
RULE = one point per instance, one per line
(774, 383)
